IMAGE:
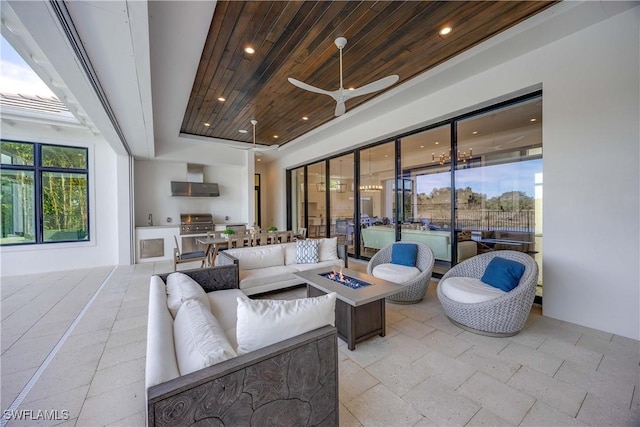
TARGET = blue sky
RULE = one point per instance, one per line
(16, 76)
(490, 180)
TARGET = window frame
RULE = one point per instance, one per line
(38, 169)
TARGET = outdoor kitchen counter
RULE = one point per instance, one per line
(155, 243)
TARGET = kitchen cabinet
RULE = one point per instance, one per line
(155, 243)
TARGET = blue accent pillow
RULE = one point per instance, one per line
(503, 273)
(404, 254)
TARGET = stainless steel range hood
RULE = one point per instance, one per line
(195, 185)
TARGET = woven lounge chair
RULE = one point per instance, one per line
(500, 317)
(415, 289)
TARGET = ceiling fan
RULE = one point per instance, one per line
(341, 95)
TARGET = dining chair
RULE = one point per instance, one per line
(180, 257)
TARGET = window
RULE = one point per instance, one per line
(44, 193)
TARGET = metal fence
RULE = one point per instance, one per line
(484, 219)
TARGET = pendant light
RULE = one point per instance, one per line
(371, 186)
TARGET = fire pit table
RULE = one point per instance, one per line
(360, 307)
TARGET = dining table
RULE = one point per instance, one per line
(213, 242)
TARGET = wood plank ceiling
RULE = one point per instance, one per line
(296, 39)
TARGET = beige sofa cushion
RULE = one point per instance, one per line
(180, 288)
(258, 257)
(264, 322)
(200, 340)
(328, 249)
(161, 362)
(224, 308)
(290, 253)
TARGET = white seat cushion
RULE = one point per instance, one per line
(180, 288)
(328, 264)
(264, 322)
(469, 290)
(395, 273)
(199, 338)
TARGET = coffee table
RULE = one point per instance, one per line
(360, 313)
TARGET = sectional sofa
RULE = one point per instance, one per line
(272, 267)
(291, 382)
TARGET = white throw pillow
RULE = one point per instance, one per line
(290, 253)
(180, 288)
(199, 338)
(328, 249)
(307, 251)
(264, 322)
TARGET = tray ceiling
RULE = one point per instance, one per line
(296, 39)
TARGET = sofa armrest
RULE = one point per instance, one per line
(213, 278)
(224, 258)
(293, 382)
(343, 254)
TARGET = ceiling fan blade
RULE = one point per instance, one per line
(373, 87)
(310, 88)
(340, 108)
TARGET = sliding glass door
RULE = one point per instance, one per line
(498, 179)
(341, 197)
(377, 198)
(426, 171)
(468, 185)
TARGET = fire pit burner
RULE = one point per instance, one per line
(344, 280)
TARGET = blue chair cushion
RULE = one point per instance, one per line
(503, 273)
(190, 255)
(404, 254)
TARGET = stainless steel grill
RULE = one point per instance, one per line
(196, 223)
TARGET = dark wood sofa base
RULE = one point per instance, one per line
(290, 383)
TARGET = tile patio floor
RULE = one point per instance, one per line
(74, 342)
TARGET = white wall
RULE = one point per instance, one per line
(153, 193)
(590, 82)
(108, 192)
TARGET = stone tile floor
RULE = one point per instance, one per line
(73, 349)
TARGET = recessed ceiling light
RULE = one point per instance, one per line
(533, 119)
(305, 118)
(445, 30)
(249, 50)
(259, 159)
(243, 131)
(475, 132)
(422, 146)
(352, 88)
(207, 124)
(275, 136)
(437, 142)
(222, 99)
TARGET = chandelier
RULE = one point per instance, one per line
(444, 158)
(371, 186)
(339, 185)
(321, 186)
